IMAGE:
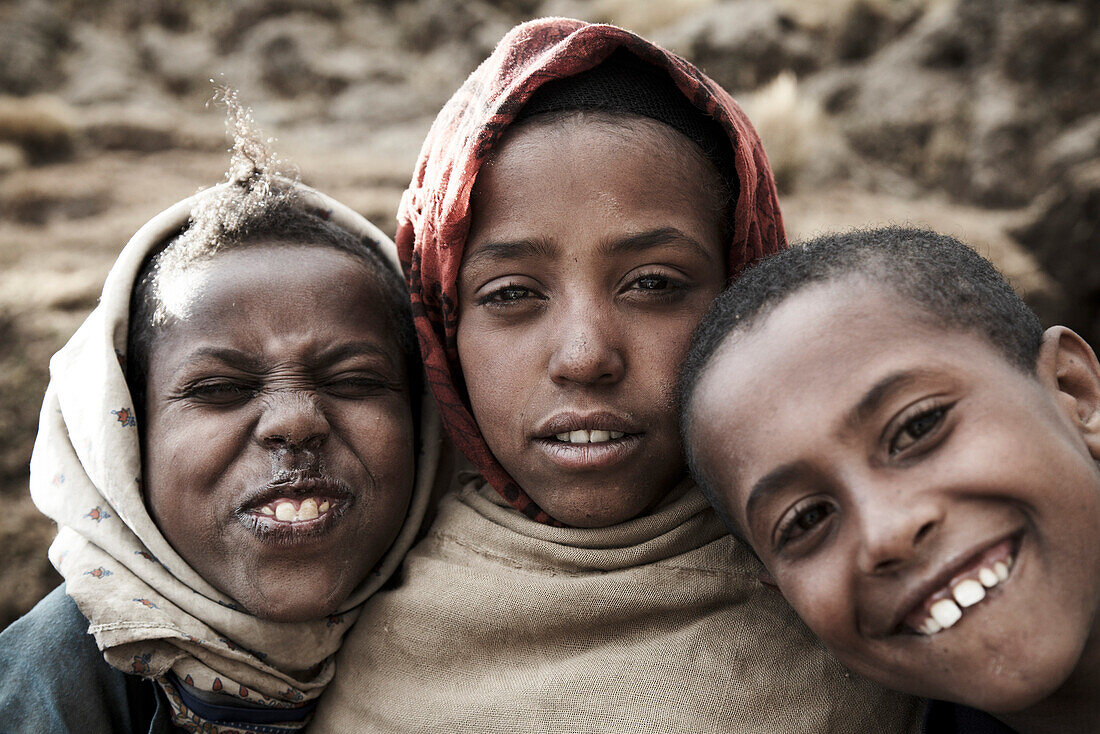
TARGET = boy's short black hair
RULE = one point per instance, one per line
(952, 286)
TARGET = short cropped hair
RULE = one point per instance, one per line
(951, 285)
(259, 205)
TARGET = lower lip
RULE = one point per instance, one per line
(590, 456)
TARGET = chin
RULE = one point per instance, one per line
(299, 605)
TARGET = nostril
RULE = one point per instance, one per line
(887, 566)
(923, 532)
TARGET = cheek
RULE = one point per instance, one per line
(381, 434)
(498, 369)
(822, 603)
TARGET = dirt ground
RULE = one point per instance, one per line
(979, 119)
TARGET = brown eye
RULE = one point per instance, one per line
(803, 519)
(916, 428)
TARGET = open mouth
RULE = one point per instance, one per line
(968, 588)
(286, 509)
(585, 436)
(297, 508)
(584, 442)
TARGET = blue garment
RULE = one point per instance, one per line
(53, 678)
(953, 718)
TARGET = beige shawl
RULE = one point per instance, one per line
(149, 611)
(659, 624)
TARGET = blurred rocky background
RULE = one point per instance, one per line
(980, 118)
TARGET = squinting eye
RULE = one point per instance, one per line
(220, 392)
(916, 428)
(652, 283)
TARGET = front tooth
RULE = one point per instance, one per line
(266, 509)
(946, 612)
(578, 436)
(324, 506)
(599, 436)
(308, 510)
(285, 511)
(968, 592)
(616, 434)
(562, 436)
(988, 577)
(930, 627)
(1001, 570)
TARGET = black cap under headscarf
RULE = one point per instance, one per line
(624, 83)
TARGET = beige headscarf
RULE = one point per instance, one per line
(149, 611)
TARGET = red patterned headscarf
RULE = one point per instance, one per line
(434, 217)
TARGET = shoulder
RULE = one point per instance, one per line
(54, 678)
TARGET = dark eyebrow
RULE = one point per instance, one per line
(247, 363)
(357, 348)
(510, 250)
(232, 357)
(653, 238)
(878, 394)
(771, 483)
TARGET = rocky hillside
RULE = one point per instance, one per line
(975, 117)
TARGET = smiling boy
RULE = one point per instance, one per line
(915, 462)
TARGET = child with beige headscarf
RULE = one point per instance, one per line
(228, 445)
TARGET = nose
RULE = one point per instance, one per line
(292, 420)
(895, 532)
(586, 350)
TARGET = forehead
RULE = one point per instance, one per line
(803, 368)
(269, 288)
(597, 168)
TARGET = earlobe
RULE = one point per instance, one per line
(1068, 364)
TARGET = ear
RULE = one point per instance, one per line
(1068, 364)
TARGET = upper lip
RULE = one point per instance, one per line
(948, 570)
(296, 484)
(580, 421)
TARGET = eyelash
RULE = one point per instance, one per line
(497, 297)
(789, 530)
(219, 391)
(512, 293)
(915, 423)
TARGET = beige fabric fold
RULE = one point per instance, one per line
(659, 624)
(149, 611)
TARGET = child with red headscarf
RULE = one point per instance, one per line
(576, 207)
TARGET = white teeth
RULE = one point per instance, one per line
(324, 506)
(267, 510)
(988, 578)
(285, 511)
(968, 592)
(585, 436)
(1001, 570)
(945, 612)
(930, 627)
(308, 510)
